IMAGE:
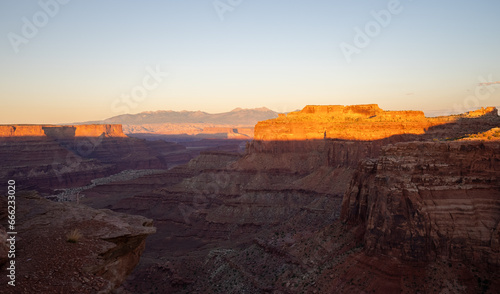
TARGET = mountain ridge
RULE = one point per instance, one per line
(235, 124)
(238, 117)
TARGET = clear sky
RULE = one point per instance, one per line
(88, 60)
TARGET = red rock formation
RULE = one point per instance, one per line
(488, 111)
(60, 131)
(21, 130)
(99, 130)
(489, 135)
(359, 122)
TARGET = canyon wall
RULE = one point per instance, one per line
(224, 202)
(422, 201)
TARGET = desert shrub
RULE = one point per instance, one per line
(74, 236)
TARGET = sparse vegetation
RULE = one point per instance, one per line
(74, 236)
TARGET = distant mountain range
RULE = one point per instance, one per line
(235, 117)
(237, 123)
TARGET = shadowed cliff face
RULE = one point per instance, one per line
(421, 201)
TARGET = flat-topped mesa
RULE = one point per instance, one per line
(61, 131)
(114, 130)
(357, 122)
(340, 110)
(21, 130)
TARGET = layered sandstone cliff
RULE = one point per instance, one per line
(61, 131)
(422, 201)
(360, 122)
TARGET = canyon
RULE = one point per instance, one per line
(329, 199)
(52, 157)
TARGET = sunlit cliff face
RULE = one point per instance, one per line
(61, 131)
(358, 122)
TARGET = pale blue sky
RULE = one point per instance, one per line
(281, 54)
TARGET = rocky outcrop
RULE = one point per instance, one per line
(489, 135)
(422, 201)
(103, 251)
